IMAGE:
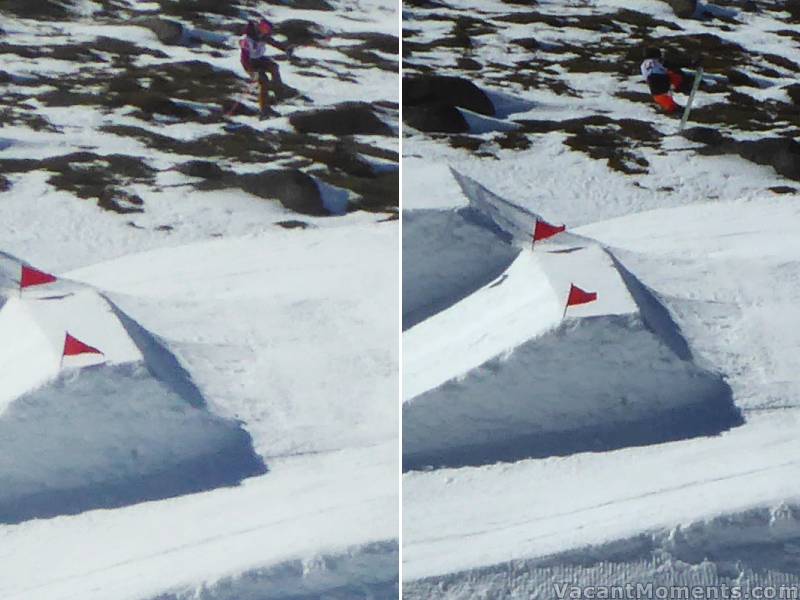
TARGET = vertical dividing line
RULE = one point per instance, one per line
(400, 300)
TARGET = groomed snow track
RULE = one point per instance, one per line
(756, 548)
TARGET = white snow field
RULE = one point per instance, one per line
(237, 439)
(691, 245)
(284, 332)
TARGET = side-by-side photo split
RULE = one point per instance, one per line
(399, 300)
(600, 392)
(199, 299)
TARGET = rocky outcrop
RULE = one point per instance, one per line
(349, 118)
(780, 153)
(442, 118)
(294, 189)
(167, 31)
(203, 169)
(453, 91)
(683, 8)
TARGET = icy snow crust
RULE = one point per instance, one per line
(705, 248)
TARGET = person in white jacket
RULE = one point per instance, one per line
(663, 78)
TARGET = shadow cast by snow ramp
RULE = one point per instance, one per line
(446, 256)
(549, 390)
(110, 436)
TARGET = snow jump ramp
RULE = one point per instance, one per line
(129, 428)
(506, 374)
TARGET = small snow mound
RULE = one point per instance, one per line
(478, 123)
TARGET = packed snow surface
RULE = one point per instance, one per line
(237, 437)
(701, 232)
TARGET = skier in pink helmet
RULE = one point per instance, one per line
(255, 60)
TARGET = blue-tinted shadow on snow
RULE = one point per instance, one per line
(594, 384)
(111, 436)
(447, 255)
(161, 363)
(717, 415)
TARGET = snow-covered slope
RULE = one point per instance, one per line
(286, 332)
(126, 113)
(700, 231)
(238, 437)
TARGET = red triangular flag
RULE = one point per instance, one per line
(74, 347)
(579, 296)
(543, 230)
(31, 276)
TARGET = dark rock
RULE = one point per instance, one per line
(705, 135)
(452, 91)
(794, 92)
(190, 9)
(300, 32)
(294, 189)
(349, 118)
(152, 103)
(468, 64)
(120, 201)
(530, 43)
(382, 42)
(201, 168)
(167, 31)
(40, 9)
(5, 184)
(292, 224)
(793, 8)
(783, 189)
(5, 77)
(683, 8)
(737, 77)
(441, 118)
(303, 4)
(780, 153)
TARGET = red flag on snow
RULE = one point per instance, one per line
(31, 276)
(74, 347)
(543, 230)
(579, 296)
